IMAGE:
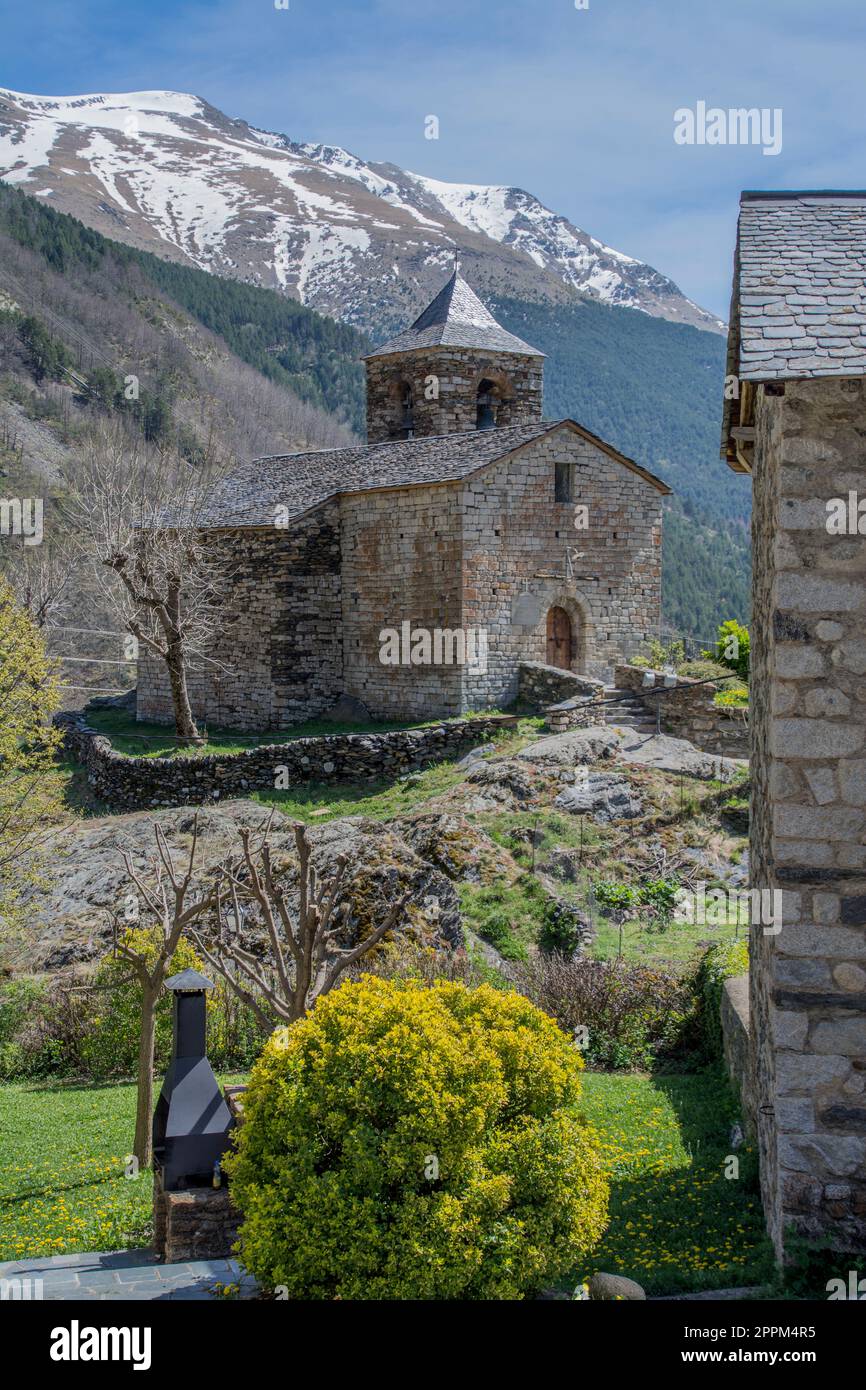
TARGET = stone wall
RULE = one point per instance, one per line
(808, 820)
(452, 403)
(516, 539)
(687, 711)
(540, 685)
(401, 562)
(125, 783)
(199, 1223)
(736, 1044)
(278, 657)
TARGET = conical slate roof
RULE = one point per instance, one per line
(456, 318)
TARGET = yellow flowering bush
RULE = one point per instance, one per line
(409, 1142)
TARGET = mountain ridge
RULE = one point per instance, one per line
(169, 172)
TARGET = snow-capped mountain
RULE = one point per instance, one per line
(363, 242)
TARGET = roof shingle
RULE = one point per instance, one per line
(456, 318)
(253, 493)
(799, 305)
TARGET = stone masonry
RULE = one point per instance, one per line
(808, 825)
(279, 656)
(444, 386)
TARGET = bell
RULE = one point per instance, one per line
(485, 418)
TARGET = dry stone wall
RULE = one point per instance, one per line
(128, 783)
(540, 685)
(687, 711)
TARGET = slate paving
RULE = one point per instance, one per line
(124, 1275)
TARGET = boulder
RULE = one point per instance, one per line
(577, 746)
(477, 755)
(677, 755)
(70, 911)
(604, 795)
(501, 785)
(609, 1288)
(456, 846)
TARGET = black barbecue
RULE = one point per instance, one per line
(191, 1122)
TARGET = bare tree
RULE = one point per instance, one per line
(43, 579)
(168, 900)
(304, 960)
(139, 511)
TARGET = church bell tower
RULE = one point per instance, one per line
(456, 369)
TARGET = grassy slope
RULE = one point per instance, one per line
(679, 811)
(677, 1223)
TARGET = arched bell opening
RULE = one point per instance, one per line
(406, 411)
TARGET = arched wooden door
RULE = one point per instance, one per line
(559, 639)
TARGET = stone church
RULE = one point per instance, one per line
(416, 571)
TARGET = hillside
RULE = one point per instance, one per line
(80, 319)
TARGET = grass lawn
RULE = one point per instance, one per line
(63, 1183)
(676, 1221)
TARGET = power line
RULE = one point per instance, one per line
(96, 660)
(93, 631)
(93, 690)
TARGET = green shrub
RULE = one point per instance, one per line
(706, 669)
(633, 1015)
(404, 1142)
(656, 655)
(66, 1026)
(717, 964)
(658, 896)
(732, 648)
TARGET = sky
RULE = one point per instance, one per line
(575, 105)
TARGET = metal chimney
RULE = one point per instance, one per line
(191, 1122)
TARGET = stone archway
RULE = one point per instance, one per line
(577, 610)
(560, 639)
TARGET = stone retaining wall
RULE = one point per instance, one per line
(735, 1041)
(687, 711)
(134, 782)
(541, 685)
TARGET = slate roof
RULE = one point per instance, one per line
(456, 318)
(799, 301)
(251, 494)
